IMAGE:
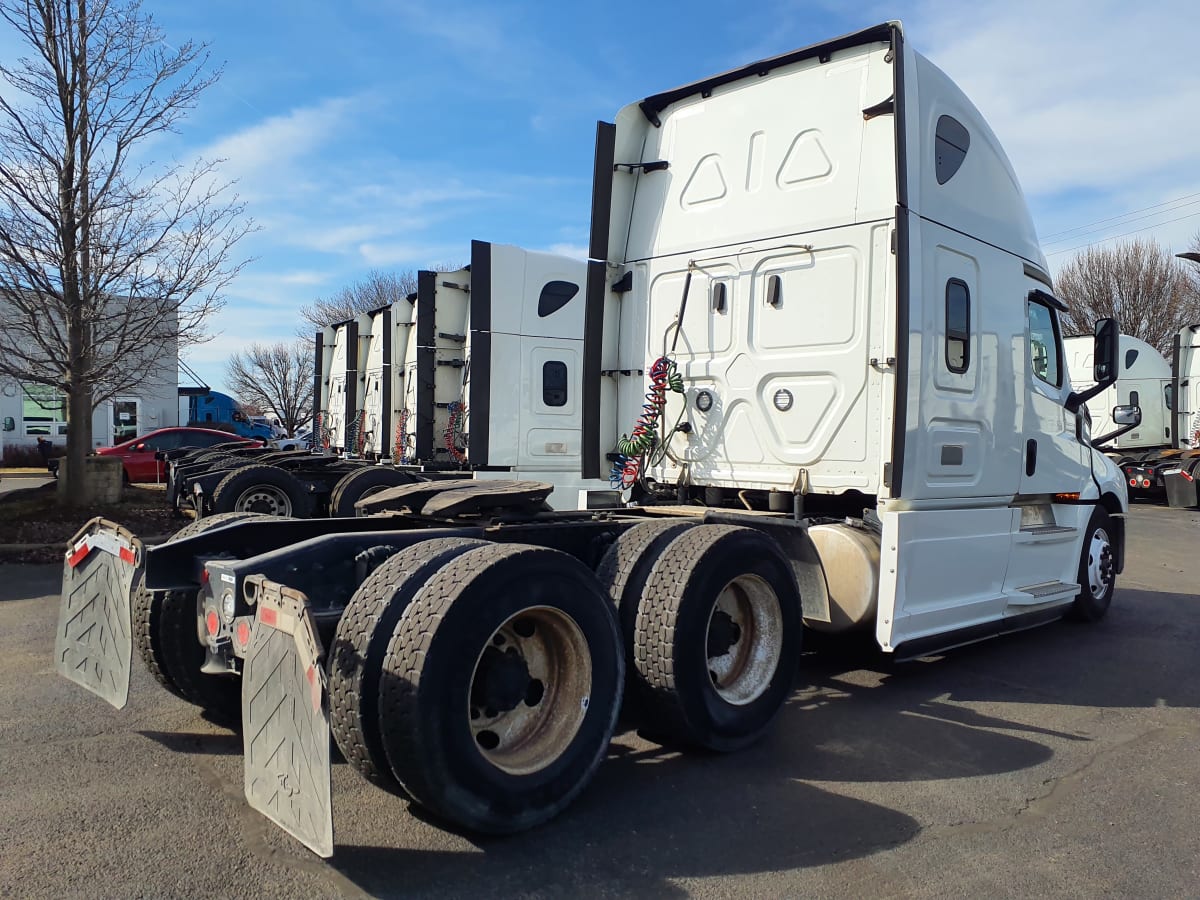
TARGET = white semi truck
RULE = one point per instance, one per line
(479, 371)
(822, 362)
(1160, 456)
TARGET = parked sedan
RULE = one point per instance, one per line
(138, 454)
(302, 441)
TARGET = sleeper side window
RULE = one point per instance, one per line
(1045, 344)
(958, 326)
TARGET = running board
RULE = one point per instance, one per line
(1038, 594)
(940, 643)
(285, 717)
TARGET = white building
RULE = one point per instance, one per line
(29, 410)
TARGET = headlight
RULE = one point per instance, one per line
(228, 605)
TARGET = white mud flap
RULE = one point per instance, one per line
(94, 643)
(285, 717)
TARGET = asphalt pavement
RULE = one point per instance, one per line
(1058, 762)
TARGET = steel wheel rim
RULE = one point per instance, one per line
(1100, 567)
(530, 690)
(743, 641)
(266, 499)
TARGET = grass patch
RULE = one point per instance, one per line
(34, 516)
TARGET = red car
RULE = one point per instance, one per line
(138, 453)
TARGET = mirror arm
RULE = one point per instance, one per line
(1078, 398)
(1112, 435)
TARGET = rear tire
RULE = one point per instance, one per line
(717, 638)
(501, 687)
(361, 642)
(622, 574)
(261, 489)
(1097, 570)
(363, 482)
(164, 626)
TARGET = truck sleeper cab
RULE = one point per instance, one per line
(835, 254)
(858, 416)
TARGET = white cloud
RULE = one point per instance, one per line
(1084, 94)
(575, 251)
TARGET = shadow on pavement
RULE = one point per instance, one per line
(26, 582)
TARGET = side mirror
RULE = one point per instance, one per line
(1105, 357)
(10, 424)
(1127, 415)
(1106, 350)
(139, 447)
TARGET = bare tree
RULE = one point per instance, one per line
(1150, 292)
(107, 264)
(276, 378)
(376, 290)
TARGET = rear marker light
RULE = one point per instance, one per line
(1145, 482)
(1133, 482)
(212, 623)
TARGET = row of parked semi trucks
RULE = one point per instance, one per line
(812, 376)
(394, 387)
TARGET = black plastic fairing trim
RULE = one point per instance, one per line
(1048, 299)
(939, 643)
(656, 103)
(1176, 354)
(318, 364)
(1037, 274)
(426, 364)
(386, 412)
(351, 382)
(479, 399)
(900, 407)
(602, 183)
(593, 345)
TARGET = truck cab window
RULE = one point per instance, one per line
(1045, 344)
(958, 326)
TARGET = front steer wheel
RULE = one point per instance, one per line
(501, 686)
(1097, 570)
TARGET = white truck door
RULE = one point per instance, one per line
(1051, 451)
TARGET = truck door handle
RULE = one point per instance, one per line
(1030, 456)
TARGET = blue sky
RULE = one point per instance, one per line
(389, 134)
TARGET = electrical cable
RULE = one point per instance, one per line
(633, 447)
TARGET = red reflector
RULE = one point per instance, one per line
(204, 577)
(78, 556)
(1187, 475)
(268, 616)
(127, 555)
(212, 623)
(243, 633)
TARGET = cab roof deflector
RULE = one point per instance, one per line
(656, 103)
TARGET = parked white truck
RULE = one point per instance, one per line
(478, 371)
(821, 356)
(1159, 456)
